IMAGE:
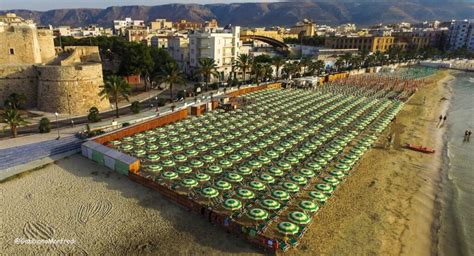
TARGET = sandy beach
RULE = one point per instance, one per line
(385, 207)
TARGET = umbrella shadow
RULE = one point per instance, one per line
(184, 223)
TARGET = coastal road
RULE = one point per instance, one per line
(106, 115)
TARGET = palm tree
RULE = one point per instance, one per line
(13, 119)
(244, 62)
(304, 63)
(258, 70)
(316, 67)
(171, 74)
(278, 62)
(347, 59)
(267, 71)
(290, 69)
(116, 88)
(339, 63)
(207, 68)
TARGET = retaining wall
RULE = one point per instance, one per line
(153, 123)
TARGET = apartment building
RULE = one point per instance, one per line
(369, 43)
(161, 24)
(120, 26)
(222, 45)
(178, 48)
(461, 35)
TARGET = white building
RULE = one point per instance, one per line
(461, 34)
(121, 25)
(178, 48)
(222, 45)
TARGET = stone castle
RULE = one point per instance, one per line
(53, 79)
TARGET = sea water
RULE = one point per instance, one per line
(456, 231)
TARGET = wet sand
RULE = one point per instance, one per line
(384, 208)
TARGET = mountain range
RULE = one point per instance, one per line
(332, 12)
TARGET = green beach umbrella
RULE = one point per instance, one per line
(263, 159)
(169, 175)
(300, 180)
(276, 172)
(139, 152)
(183, 170)
(222, 185)
(165, 153)
(244, 170)
(337, 173)
(196, 163)
(331, 180)
(168, 163)
(308, 206)
(218, 153)
(235, 158)
(209, 192)
(321, 161)
(266, 178)
(127, 139)
(232, 204)
(189, 183)
(202, 148)
(306, 173)
(292, 160)
(245, 193)
(290, 187)
(254, 164)
(280, 195)
(163, 143)
(202, 177)
(342, 167)
(287, 228)
(228, 149)
(233, 177)
(214, 169)
(191, 152)
(126, 147)
(153, 157)
(208, 159)
(115, 142)
(257, 185)
(257, 214)
(225, 163)
(180, 158)
(284, 166)
(152, 147)
(154, 168)
(272, 154)
(188, 144)
(319, 196)
(324, 188)
(299, 218)
(270, 204)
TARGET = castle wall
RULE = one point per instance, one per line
(19, 79)
(70, 89)
(46, 45)
(81, 54)
(19, 45)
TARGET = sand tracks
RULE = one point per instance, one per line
(38, 230)
(93, 211)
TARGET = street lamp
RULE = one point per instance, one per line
(57, 125)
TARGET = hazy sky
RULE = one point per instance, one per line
(57, 4)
